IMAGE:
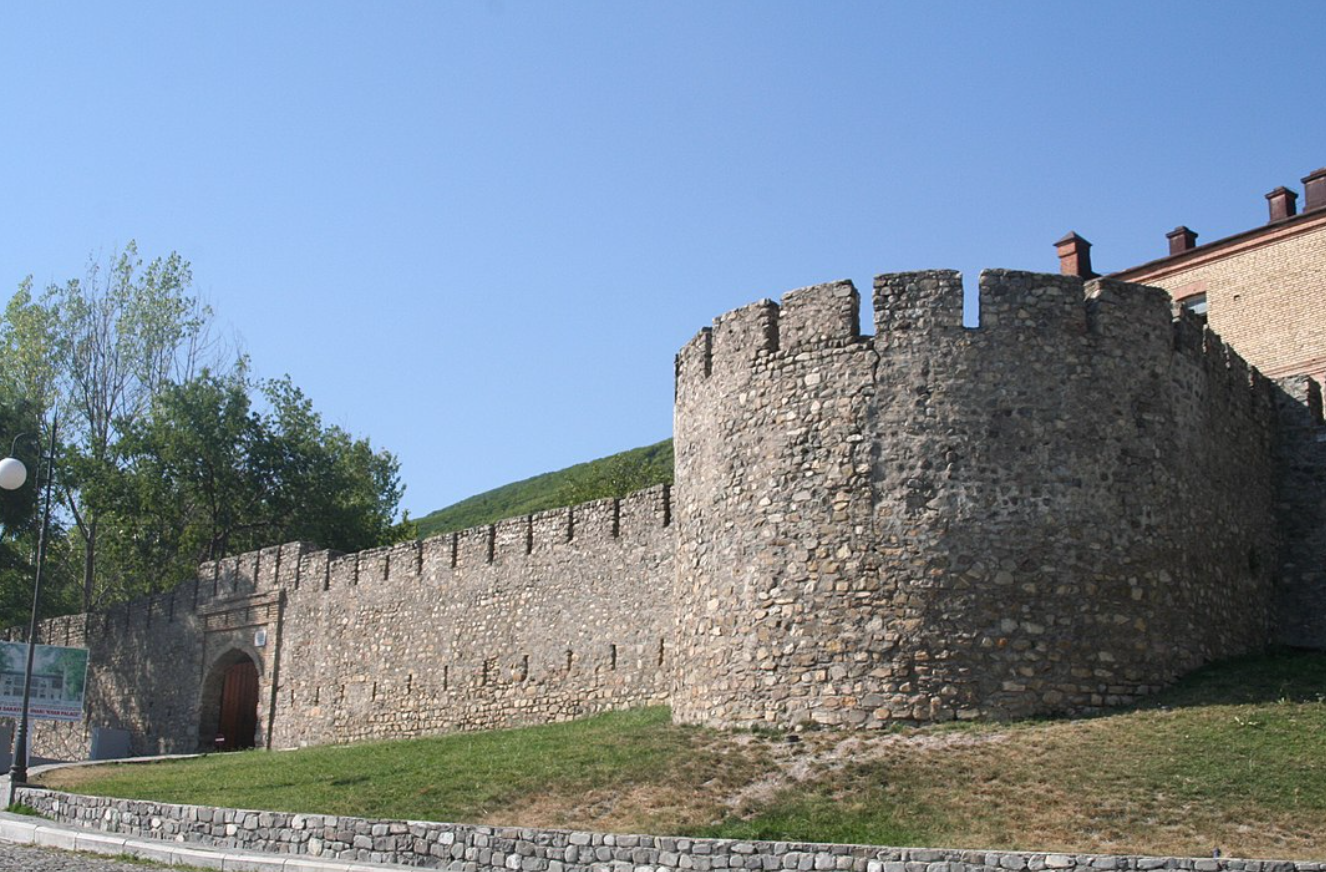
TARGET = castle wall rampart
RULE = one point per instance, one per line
(769, 441)
(1063, 508)
(1300, 617)
(539, 618)
(139, 652)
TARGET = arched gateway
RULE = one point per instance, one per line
(229, 704)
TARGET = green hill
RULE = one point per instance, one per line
(614, 476)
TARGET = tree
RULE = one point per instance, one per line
(621, 474)
(187, 480)
(96, 352)
(22, 430)
(206, 475)
(337, 491)
(171, 457)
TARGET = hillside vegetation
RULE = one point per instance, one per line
(1232, 758)
(614, 476)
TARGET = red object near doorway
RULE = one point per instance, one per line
(238, 726)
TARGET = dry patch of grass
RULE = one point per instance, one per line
(1234, 758)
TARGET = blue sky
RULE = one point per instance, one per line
(478, 232)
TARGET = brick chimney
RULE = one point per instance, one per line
(1314, 190)
(1283, 203)
(1075, 256)
(1181, 239)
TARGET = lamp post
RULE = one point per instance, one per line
(12, 476)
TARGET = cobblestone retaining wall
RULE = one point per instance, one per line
(466, 848)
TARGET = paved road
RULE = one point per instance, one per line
(21, 858)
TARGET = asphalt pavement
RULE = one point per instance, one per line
(23, 858)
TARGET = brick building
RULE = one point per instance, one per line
(1263, 290)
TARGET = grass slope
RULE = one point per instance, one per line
(615, 475)
(1234, 757)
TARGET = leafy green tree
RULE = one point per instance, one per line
(22, 430)
(192, 476)
(171, 455)
(96, 352)
(617, 476)
(207, 475)
(336, 490)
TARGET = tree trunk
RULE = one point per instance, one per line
(89, 564)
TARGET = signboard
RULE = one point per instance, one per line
(58, 678)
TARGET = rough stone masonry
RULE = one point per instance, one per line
(1063, 508)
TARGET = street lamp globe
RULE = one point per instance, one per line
(12, 474)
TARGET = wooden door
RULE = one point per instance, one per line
(239, 707)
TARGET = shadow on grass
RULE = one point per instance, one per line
(1278, 675)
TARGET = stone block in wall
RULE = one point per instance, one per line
(512, 538)
(405, 560)
(1137, 316)
(924, 302)
(474, 547)
(343, 571)
(551, 529)
(1015, 301)
(268, 562)
(819, 315)
(694, 360)
(438, 554)
(208, 573)
(289, 564)
(642, 512)
(315, 569)
(227, 576)
(596, 521)
(742, 335)
(373, 565)
(246, 572)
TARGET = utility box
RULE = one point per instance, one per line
(109, 744)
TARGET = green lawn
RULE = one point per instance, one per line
(464, 776)
(1233, 757)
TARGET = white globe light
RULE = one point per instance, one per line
(12, 474)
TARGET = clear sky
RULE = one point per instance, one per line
(478, 232)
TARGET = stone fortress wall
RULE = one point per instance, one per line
(1064, 508)
(535, 619)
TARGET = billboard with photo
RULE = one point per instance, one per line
(58, 679)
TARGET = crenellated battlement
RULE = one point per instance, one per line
(1024, 317)
(808, 319)
(300, 565)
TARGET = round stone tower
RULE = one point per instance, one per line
(1065, 507)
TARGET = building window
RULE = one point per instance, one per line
(1197, 305)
